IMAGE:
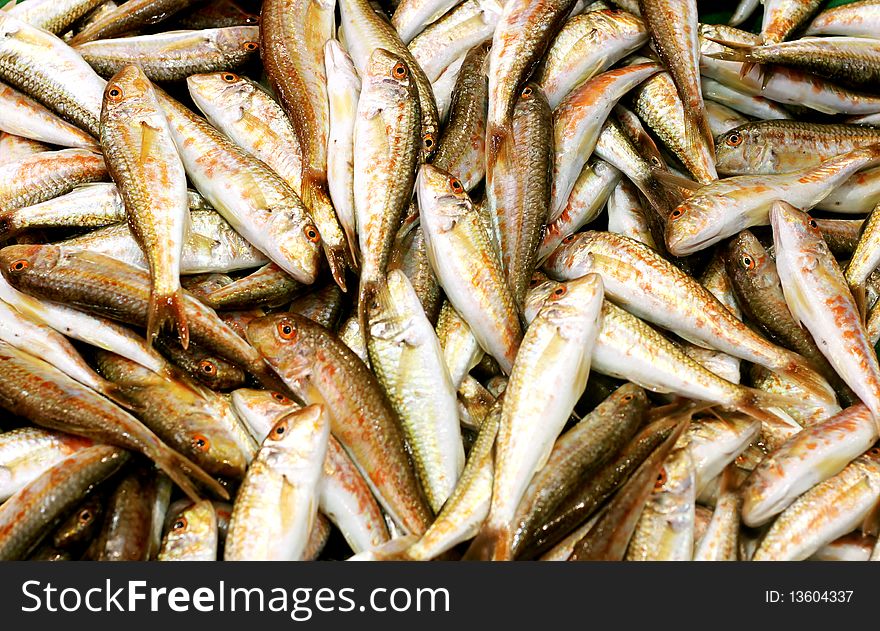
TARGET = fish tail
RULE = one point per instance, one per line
(367, 292)
(183, 472)
(736, 51)
(492, 543)
(758, 404)
(799, 370)
(168, 308)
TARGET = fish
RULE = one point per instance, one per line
(825, 512)
(409, 254)
(722, 119)
(817, 294)
(55, 17)
(721, 209)
(410, 17)
(132, 17)
(782, 17)
(174, 55)
(29, 514)
(197, 423)
(744, 9)
(110, 288)
(386, 155)
(720, 540)
(26, 452)
(270, 285)
(321, 369)
(22, 116)
(586, 45)
(406, 357)
(143, 161)
(81, 526)
(863, 260)
(640, 280)
(556, 350)
(44, 67)
(275, 507)
(805, 460)
(193, 535)
(674, 32)
(214, 15)
(626, 216)
(855, 19)
(323, 307)
(201, 365)
(42, 176)
(455, 236)
(750, 105)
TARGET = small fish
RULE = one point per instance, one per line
(270, 286)
(275, 507)
(719, 541)
(22, 116)
(412, 16)
(50, 15)
(143, 161)
(193, 535)
(42, 176)
(816, 291)
(129, 16)
(782, 17)
(126, 533)
(855, 19)
(26, 452)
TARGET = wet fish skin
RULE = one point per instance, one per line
(864, 259)
(674, 31)
(25, 117)
(205, 367)
(81, 526)
(757, 106)
(409, 254)
(275, 508)
(270, 286)
(857, 19)
(577, 454)
(13, 148)
(45, 395)
(56, 491)
(720, 540)
(321, 369)
(323, 306)
(214, 15)
(586, 45)
(406, 357)
(143, 161)
(386, 155)
(759, 293)
(193, 535)
(174, 55)
(129, 16)
(556, 350)
(816, 291)
(42, 176)
(107, 287)
(259, 410)
(26, 452)
(825, 512)
(126, 530)
(770, 147)
(841, 235)
(45, 68)
(744, 9)
(722, 118)
(52, 16)
(455, 236)
(197, 423)
(411, 16)
(805, 460)
(723, 208)
(783, 17)
(255, 200)
(634, 280)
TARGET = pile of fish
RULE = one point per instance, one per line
(439, 279)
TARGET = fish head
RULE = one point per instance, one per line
(391, 73)
(694, 224)
(570, 299)
(220, 90)
(749, 261)
(676, 479)
(23, 264)
(572, 258)
(443, 200)
(796, 232)
(387, 313)
(537, 296)
(297, 239)
(286, 342)
(744, 151)
(238, 41)
(129, 95)
(631, 398)
(260, 409)
(292, 441)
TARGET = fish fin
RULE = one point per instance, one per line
(116, 394)
(736, 51)
(491, 544)
(801, 371)
(182, 471)
(861, 299)
(757, 404)
(149, 140)
(164, 309)
(674, 182)
(367, 291)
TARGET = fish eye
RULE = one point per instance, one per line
(627, 398)
(278, 432)
(399, 71)
(252, 19)
(874, 451)
(251, 46)
(229, 77)
(428, 141)
(747, 261)
(286, 330)
(534, 282)
(655, 161)
(114, 93)
(675, 214)
(179, 524)
(312, 233)
(813, 223)
(527, 92)
(19, 266)
(560, 291)
(734, 140)
(281, 398)
(201, 443)
(569, 238)
(85, 516)
(456, 185)
(661, 479)
(208, 367)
